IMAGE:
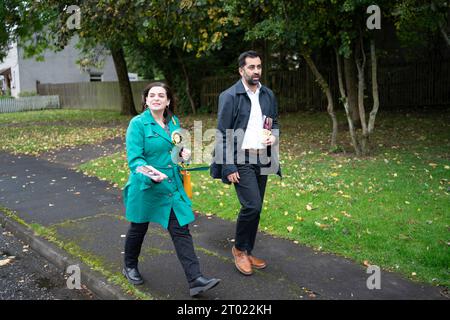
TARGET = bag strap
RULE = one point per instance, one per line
(197, 169)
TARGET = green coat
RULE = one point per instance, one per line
(146, 201)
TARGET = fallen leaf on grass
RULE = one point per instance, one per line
(290, 228)
(334, 174)
(346, 214)
(321, 225)
(403, 237)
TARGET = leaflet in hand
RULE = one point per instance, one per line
(267, 127)
(267, 123)
(149, 171)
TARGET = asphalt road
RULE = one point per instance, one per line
(25, 275)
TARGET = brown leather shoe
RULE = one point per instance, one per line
(257, 263)
(242, 261)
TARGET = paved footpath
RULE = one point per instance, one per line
(89, 213)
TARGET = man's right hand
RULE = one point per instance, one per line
(234, 177)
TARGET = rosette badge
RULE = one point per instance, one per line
(177, 138)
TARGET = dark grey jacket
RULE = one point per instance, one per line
(234, 113)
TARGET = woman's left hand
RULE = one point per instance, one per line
(185, 154)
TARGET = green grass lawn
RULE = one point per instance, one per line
(390, 209)
(67, 116)
(35, 132)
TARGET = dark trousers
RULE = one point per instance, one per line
(250, 191)
(182, 241)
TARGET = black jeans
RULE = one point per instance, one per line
(182, 241)
(250, 191)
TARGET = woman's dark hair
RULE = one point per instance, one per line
(169, 112)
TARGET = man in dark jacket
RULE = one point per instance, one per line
(246, 152)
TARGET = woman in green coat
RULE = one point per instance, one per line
(159, 196)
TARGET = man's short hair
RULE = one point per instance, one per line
(245, 55)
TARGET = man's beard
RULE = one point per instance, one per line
(252, 82)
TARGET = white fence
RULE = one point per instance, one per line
(29, 103)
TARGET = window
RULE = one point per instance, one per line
(95, 77)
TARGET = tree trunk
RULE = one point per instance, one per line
(326, 89)
(442, 27)
(127, 102)
(445, 35)
(375, 94)
(344, 99)
(266, 62)
(188, 87)
(360, 65)
(351, 84)
(126, 94)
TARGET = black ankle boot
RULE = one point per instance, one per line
(133, 275)
(202, 284)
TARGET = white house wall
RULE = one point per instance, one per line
(11, 61)
(58, 67)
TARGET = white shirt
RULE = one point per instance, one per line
(253, 135)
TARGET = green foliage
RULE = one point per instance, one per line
(305, 26)
(417, 22)
(193, 26)
(169, 39)
(7, 96)
(19, 23)
(28, 94)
